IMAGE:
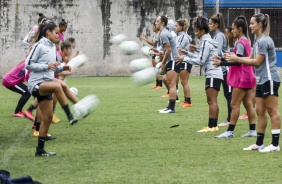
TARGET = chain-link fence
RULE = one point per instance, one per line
(274, 13)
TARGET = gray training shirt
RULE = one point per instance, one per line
(267, 70)
(166, 37)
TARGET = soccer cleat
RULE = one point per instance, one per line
(216, 129)
(244, 116)
(163, 109)
(28, 115)
(159, 87)
(166, 111)
(43, 153)
(206, 129)
(186, 104)
(73, 121)
(253, 147)
(19, 114)
(35, 133)
(49, 138)
(154, 87)
(165, 95)
(251, 133)
(55, 119)
(225, 123)
(270, 148)
(227, 134)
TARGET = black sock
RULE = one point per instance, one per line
(177, 98)
(229, 110)
(157, 82)
(260, 137)
(161, 83)
(67, 111)
(171, 104)
(211, 122)
(31, 108)
(188, 100)
(35, 120)
(215, 122)
(252, 126)
(275, 137)
(167, 91)
(231, 127)
(41, 142)
(37, 126)
(176, 86)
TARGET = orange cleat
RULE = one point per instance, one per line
(165, 95)
(186, 104)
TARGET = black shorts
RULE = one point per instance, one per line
(185, 66)
(171, 65)
(268, 88)
(213, 83)
(40, 98)
(153, 56)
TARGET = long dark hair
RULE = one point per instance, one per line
(241, 21)
(201, 23)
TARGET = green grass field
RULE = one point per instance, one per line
(126, 141)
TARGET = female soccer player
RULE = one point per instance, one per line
(263, 57)
(182, 42)
(169, 49)
(29, 37)
(14, 81)
(42, 63)
(217, 27)
(242, 78)
(62, 28)
(208, 49)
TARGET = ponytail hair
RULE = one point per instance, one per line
(241, 21)
(63, 22)
(218, 19)
(264, 19)
(184, 24)
(41, 17)
(42, 29)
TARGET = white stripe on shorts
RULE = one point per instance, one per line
(211, 83)
(19, 88)
(271, 87)
(185, 66)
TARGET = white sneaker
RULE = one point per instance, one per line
(270, 148)
(251, 133)
(166, 111)
(253, 147)
(227, 134)
(225, 123)
(163, 109)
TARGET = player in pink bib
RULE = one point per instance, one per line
(242, 78)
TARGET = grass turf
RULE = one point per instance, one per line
(126, 141)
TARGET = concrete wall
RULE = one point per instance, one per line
(93, 23)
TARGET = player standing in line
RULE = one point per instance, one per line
(208, 48)
(42, 63)
(217, 27)
(168, 64)
(154, 43)
(182, 42)
(242, 79)
(263, 57)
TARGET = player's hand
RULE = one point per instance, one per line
(178, 59)
(216, 61)
(230, 57)
(192, 47)
(142, 36)
(52, 66)
(182, 51)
